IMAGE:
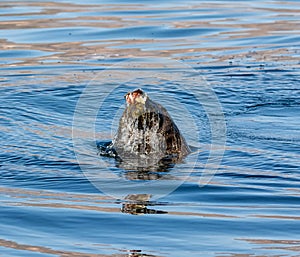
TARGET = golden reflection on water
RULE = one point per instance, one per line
(291, 245)
(286, 247)
(63, 253)
(47, 250)
(68, 15)
(133, 204)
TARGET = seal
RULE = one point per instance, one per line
(147, 132)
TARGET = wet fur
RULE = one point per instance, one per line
(147, 131)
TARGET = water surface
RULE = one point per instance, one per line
(249, 54)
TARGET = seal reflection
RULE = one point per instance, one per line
(137, 204)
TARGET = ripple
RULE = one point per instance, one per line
(247, 52)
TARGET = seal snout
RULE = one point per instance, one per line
(137, 95)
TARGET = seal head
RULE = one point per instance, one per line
(147, 133)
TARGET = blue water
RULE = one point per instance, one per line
(247, 53)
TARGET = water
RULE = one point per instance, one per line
(248, 52)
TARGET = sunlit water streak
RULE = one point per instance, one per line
(247, 51)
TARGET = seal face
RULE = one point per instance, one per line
(147, 132)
